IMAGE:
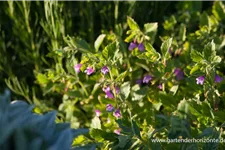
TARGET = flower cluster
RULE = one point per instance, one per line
(201, 79)
(146, 79)
(90, 70)
(109, 108)
(133, 45)
(105, 70)
(116, 113)
(109, 93)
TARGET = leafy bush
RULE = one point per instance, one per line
(21, 129)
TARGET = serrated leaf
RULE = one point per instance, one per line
(109, 50)
(165, 48)
(99, 41)
(196, 56)
(132, 24)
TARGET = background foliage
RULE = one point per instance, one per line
(41, 42)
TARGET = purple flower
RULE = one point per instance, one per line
(218, 78)
(139, 81)
(179, 74)
(77, 67)
(141, 47)
(117, 113)
(89, 70)
(106, 89)
(132, 46)
(109, 95)
(109, 107)
(117, 131)
(107, 92)
(147, 78)
(160, 86)
(105, 70)
(200, 80)
(97, 112)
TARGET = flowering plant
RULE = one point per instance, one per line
(159, 81)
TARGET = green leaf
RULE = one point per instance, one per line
(109, 50)
(123, 140)
(125, 90)
(42, 79)
(130, 38)
(138, 93)
(204, 20)
(196, 56)
(121, 76)
(136, 129)
(194, 69)
(170, 23)
(183, 107)
(101, 135)
(78, 44)
(209, 51)
(150, 54)
(99, 41)
(165, 48)
(96, 123)
(150, 27)
(174, 89)
(157, 106)
(182, 32)
(150, 30)
(218, 10)
(216, 60)
(132, 24)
